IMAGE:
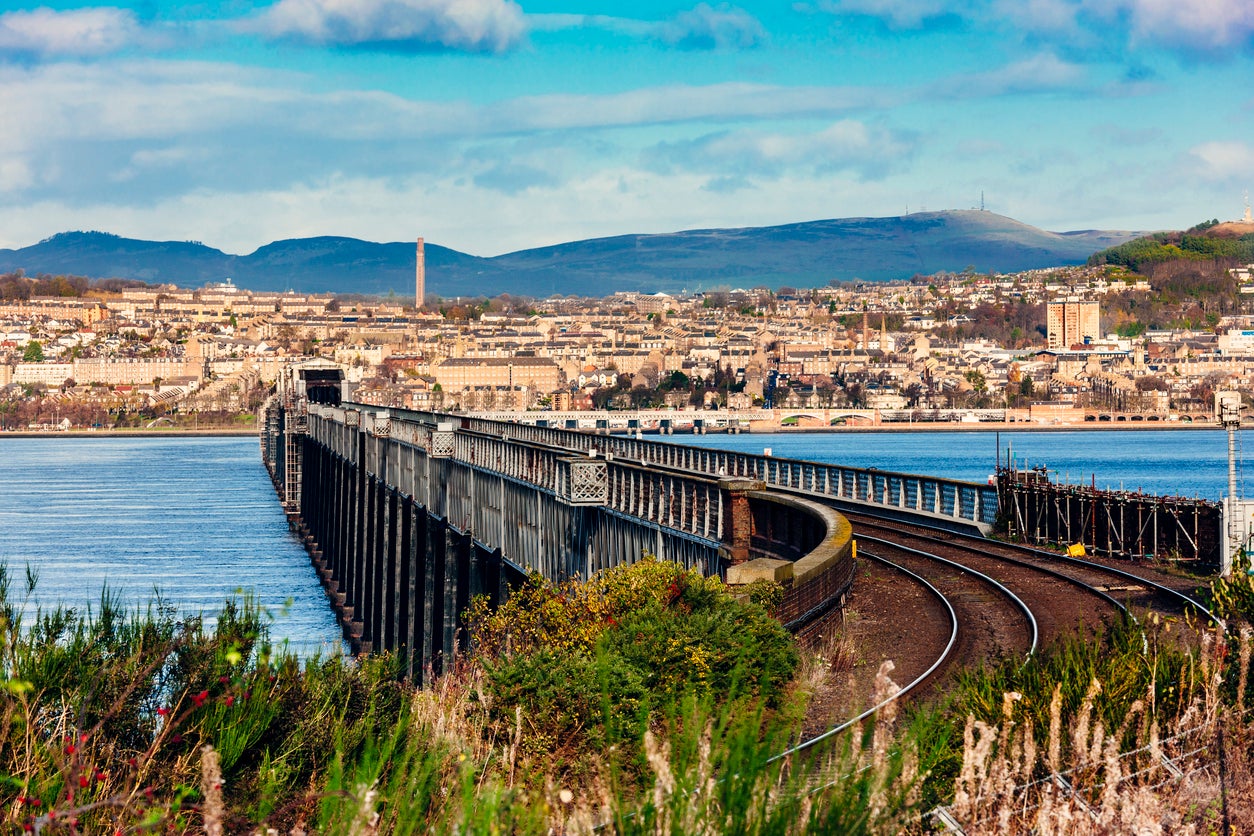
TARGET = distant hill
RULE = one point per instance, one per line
(803, 255)
(1222, 245)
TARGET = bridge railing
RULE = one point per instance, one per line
(736, 526)
(952, 499)
(690, 503)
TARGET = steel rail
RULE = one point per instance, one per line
(1186, 600)
(1045, 570)
(1034, 631)
(919, 680)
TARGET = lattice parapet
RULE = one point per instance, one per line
(441, 444)
(584, 481)
(352, 418)
(382, 428)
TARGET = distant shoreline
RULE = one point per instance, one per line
(955, 427)
(916, 427)
(223, 432)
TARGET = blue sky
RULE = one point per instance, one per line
(492, 125)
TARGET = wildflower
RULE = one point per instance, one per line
(101, 775)
(230, 701)
(83, 780)
(199, 699)
(178, 738)
(163, 711)
(69, 750)
(223, 680)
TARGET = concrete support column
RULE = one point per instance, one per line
(737, 519)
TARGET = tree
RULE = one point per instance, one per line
(34, 352)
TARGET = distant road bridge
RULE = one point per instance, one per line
(409, 515)
(668, 421)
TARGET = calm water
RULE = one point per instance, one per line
(1167, 462)
(195, 518)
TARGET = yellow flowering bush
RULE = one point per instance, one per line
(578, 668)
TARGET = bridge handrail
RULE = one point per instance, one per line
(690, 503)
(931, 495)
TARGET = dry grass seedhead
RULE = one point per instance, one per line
(212, 809)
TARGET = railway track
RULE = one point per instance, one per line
(959, 600)
(1021, 567)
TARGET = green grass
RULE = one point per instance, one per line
(630, 704)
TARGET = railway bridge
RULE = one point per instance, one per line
(409, 515)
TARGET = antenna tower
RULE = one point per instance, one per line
(981, 200)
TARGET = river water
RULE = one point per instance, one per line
(195, 519)
(198, 520)
(1166, 462)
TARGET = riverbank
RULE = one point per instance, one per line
(138, 432)
(981, 427)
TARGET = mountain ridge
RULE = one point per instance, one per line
(803, 254)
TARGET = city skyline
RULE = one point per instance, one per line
(493, 126)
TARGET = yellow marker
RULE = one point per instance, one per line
(1076, 551)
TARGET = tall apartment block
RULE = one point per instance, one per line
(420, 277)
(1071, 322)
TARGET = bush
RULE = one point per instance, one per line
(579, 668)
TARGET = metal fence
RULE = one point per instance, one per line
(936, 497)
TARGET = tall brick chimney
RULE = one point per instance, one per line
(420, 277)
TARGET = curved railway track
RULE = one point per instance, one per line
(1133, 591)
(983, 600)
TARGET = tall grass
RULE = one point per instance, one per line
(144, 721)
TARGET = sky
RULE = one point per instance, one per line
(491, 125)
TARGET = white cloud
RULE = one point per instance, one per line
(1199, 26)
(702, 27)
(165, 100)
(1044, 72)
(1227, 161)
(78, 32)
(709, 27)
(405, 25)
(1206, 25)
(15, 175)
(900, 14)
(847, 145)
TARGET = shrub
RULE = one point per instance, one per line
(585, 667)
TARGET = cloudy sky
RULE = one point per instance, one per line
(493, 125)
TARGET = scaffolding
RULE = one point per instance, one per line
(1118, 524)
